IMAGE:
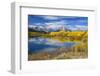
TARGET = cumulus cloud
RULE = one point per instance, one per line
(32, 26)
(55, 24)
(50, 17)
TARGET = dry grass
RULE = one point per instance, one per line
(76, 52)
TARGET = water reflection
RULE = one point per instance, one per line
(46, 44)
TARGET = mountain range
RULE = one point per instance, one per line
(46, 29)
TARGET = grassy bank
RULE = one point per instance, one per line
(75, 52)
(74, 36)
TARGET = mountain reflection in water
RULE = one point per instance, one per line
(46, 44)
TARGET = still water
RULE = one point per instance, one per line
(46, 44)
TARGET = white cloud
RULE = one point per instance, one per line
(80, 27)
(71, 27)
(38, 23)
(77, 27)
(51, 17)
(55, 25)
(32, 26)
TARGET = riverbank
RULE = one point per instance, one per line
(78, 51)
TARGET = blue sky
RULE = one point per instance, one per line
(71, 22)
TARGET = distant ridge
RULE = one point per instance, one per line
(44, 29)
